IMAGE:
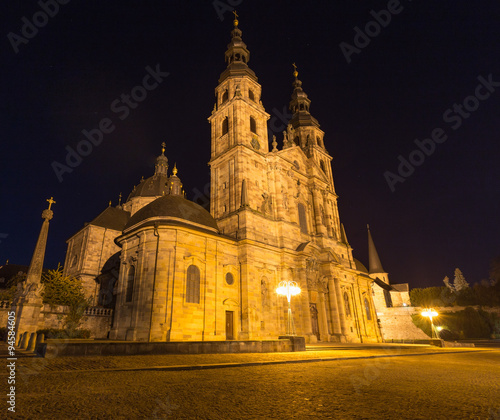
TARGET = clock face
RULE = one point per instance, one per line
(255, 143)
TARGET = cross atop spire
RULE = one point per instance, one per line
(295, 72)
(163, 145)
(235, 21)
(51, 201)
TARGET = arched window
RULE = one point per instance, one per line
(253, 125)
(296, 140)
(225, 125)
(74, 261)
(318, 140)
(130, 284)
(302, 218)
(322, 165)
(225, 96)
(193, 284)
(251, 95)
(367, 309)
(347, 305)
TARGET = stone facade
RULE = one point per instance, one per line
(185, 275)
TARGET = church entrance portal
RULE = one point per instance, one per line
(314, 319)
(229, 325)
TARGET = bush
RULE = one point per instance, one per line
(62, 333)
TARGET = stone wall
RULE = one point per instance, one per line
(97, 320)
(397, 324)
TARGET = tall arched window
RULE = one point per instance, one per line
(302, 218)
(193, 284)
(225, 125)
(367, 309)
(253, 125)
(251, 95)
(347, 305)
(225, 96)
(322, 165)
(130, 284)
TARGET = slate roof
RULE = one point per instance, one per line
(112, 218)
(176, 207)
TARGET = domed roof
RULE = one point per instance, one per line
(154, 186)
(360, 266)
(174, 209)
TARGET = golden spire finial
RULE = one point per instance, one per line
(235, 21)
(120, 199)
(51, 201)
(109, 204)
(174, 171)
(295, 72)
(163, 145)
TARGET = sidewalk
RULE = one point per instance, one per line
(315, 353)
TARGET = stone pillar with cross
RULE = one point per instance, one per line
(27, 302)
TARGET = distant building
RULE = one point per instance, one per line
(174, 271)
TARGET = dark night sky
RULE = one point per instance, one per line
(398, 87)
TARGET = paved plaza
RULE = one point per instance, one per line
(325, 382)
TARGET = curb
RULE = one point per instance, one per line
(246, 364)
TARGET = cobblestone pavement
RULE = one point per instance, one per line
(444, 384)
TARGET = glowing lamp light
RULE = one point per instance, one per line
(288, 289)
(430, 313)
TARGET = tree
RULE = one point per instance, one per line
(459, 282)
(447, 283)
(495, 271)
(68, 291)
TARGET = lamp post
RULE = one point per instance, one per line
(288, 289)
(430, 313)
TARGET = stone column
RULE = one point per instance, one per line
(322, 317)
(28, 302)
(334, 307)
(320, 228)
(340, 306)
(329, 216)
(306, 311)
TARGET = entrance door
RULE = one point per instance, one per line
(314, 319)
(229, 325)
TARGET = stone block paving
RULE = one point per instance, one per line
(36, 365)
(419, 382)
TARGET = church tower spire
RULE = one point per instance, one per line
(375, 266)
(161, 166)
(299, 105)
(239, 136)
(237, 55)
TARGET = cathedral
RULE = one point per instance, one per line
(173, 271)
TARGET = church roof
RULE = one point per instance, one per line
(154, 186)
(177, 209)
(112, 218)
(360, 266)
(373, 258)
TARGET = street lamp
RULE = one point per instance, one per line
(288, 289)
(430, 313)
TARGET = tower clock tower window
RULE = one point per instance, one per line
(253, 125)
(302, 218)
(251, 95)
(225, 125)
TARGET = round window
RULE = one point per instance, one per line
(229, 278)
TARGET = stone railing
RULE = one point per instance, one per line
(4, 304)
(96, 311)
